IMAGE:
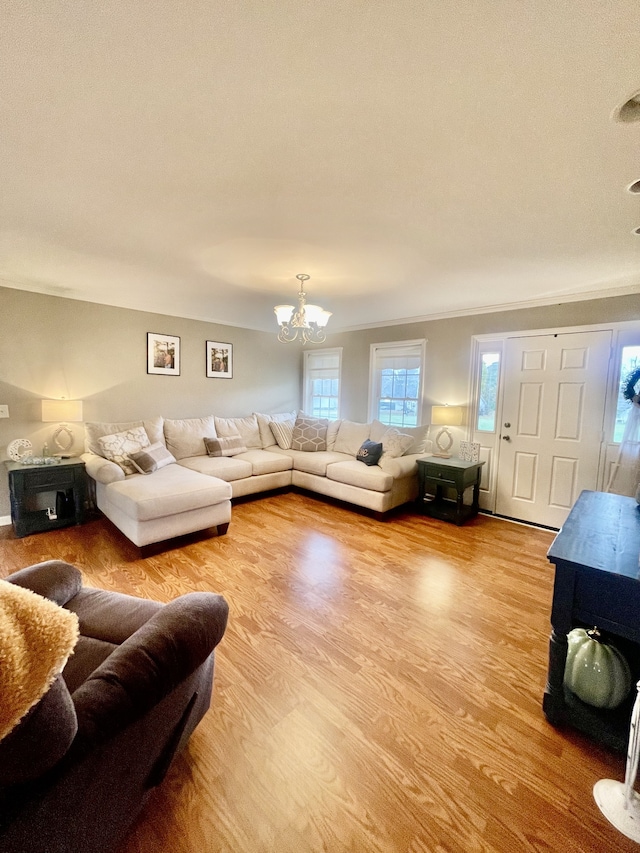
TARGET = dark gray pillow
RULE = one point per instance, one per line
(370, 452)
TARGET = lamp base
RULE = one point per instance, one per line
(610, 799)
(442, 455)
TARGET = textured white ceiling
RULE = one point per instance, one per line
(417, 158)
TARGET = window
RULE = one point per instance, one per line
(629, 361)
(395, 393)
(488, 397)
(322, 382)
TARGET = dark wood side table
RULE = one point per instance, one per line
(597, 583)
(44, 497)
(437, 477)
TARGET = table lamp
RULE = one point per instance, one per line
(62, 412)
(444, 417)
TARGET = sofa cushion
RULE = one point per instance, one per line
(351, 436)
(151, 458)
(94, 430)
(352, 473)
(227, 446)
(283, 433)
(266, 435)
(185, 437)
(170, 491)
(247, 427)
(370, 452)
(332, 433)
(267, 462)
(309, 434)
(119, 446)
(227, 468)
(313, 463)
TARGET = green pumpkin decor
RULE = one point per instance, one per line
(596, 671)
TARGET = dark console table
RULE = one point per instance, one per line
(44, 497)
(597, 582)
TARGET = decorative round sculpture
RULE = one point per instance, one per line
(18, 448)
(596, 671)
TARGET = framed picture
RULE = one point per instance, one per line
(163, 354)
(219, 360)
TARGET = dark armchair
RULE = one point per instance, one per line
(76, 770)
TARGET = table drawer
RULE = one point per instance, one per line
(45, 479)
(439, 479)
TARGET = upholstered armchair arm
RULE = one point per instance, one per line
(54, 579)
(148, 666)
(102, 470)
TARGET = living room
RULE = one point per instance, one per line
(379, 685)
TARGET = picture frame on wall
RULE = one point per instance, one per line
(163, 354)
(219, 360)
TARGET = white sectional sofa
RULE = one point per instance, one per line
(185, 489)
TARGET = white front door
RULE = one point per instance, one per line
(550, 435)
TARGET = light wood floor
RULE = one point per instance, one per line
(378, 688)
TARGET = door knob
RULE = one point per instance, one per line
(506, 438)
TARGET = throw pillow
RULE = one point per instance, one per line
(395, 443)
(266, 436)
(229, 446)
(119, 447)
(309, 434)
(283, 433)
(370, 452)
(418, 433)
(332, 433)
(151, 458)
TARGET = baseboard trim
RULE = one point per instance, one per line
(5, 520)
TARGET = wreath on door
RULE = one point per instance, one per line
(629, 392)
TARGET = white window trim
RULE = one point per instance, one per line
(373, 349)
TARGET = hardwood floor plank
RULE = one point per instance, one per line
(379, 687)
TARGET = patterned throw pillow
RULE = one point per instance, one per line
(395, 443)
(229, 446)
(151, 458)
(119, 446)
(309, 434)
(282, 432)
(370, 452)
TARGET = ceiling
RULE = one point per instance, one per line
(417, 158)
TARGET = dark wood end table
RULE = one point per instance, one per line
(437, 477)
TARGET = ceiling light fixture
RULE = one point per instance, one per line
(306, 324)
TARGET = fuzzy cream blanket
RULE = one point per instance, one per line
(36, 639)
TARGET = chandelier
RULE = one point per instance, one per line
(306, 324)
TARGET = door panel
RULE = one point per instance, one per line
(552, 419)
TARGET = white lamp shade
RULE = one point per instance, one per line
(61, 411)
(446, 415)
(283, 313)
(312, 313)
(323, 318)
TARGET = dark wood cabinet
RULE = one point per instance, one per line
(44, 497)
(597, 583)
(442, 484)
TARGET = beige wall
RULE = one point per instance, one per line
(449, 346)
(54, 347)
